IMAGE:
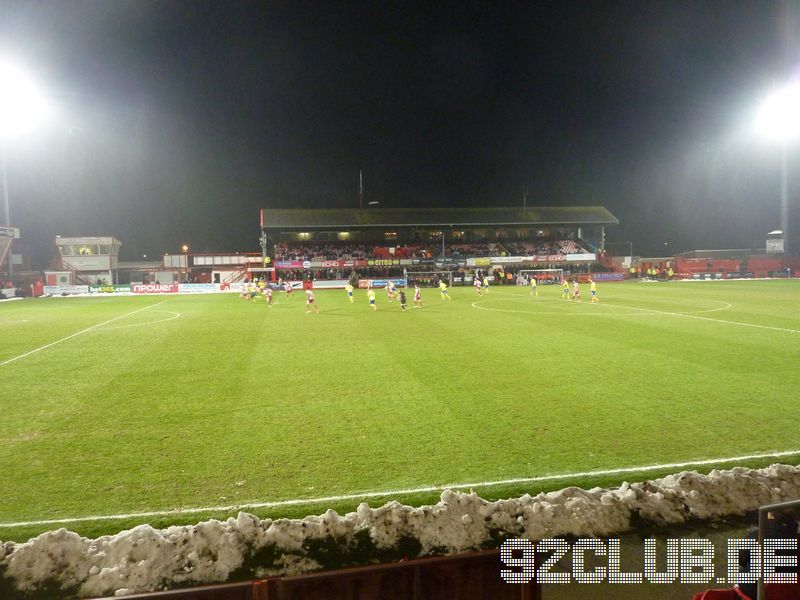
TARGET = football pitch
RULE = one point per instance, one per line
(171, 409)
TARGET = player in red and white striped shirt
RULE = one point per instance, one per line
(310, 302)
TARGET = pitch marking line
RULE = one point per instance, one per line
(389, 493)
(726, 306)
(694, 316)
(88, 329)
(175, 315)
(690, 315)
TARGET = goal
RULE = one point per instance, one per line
(543, 276)
(429, 278)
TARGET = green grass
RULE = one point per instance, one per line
(233, 403)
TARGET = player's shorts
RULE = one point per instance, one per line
(444, 293)
(372, 301)
(576, 293)
(310, 301)
(594, 293)
(350, 294)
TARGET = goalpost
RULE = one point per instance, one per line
(429, 278)
(543, 276)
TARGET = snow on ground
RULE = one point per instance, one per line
(146, 559)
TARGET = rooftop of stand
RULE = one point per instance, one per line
(325, 218)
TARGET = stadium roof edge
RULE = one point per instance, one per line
(444, 217)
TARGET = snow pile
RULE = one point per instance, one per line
(146, 559)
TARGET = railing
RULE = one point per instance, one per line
(236, 276)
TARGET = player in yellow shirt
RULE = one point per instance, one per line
(593, 290)
(565, 290)
(443, 290)
(371, 298)
(533, 287)
(349, 289)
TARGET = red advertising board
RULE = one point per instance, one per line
(154, 288)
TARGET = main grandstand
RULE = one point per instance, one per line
(340, 245)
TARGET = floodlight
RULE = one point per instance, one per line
(778, 117)
(22, 104)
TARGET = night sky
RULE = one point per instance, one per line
(177, 121)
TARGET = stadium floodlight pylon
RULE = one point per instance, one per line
(543, 276)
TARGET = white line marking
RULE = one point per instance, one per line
(88, 329)
(694, 316)
(727, 306)
(174, 316)
(389, 493)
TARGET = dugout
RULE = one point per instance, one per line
(382, 241)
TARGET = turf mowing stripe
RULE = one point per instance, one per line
(387, 493)
(51, 344)
(678, 314)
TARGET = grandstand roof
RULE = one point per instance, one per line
(445, 217)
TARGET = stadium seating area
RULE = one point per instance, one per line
(457, 250)
(349, 251)
(414, 251)
(547, 247)
(320, 252)
(763, 266)
(702, 265)
(758, 266)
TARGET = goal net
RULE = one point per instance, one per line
(429, 278)
(542, 276)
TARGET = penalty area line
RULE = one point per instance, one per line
(87, 330)
(398, 492)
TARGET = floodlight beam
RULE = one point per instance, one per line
(22, 103)
(778, 118)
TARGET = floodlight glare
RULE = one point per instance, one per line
(22, 104)
(778, 117)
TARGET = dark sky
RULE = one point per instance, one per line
(177, 121)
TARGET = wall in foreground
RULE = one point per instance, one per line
(146, 559)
